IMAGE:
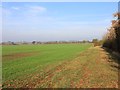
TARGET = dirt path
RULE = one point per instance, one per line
(92, 68)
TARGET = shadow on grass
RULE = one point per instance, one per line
(113, 57)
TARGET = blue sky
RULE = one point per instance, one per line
(50, 21)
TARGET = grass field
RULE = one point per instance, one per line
(56, 65)
(21, 61)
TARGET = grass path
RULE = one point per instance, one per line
(90, 69)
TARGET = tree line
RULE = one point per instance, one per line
(112, 37)
(47, 42)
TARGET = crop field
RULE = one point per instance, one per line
(19, 62)
(57, 66)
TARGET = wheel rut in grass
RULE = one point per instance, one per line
(18, 55)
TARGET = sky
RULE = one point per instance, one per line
(56, 21)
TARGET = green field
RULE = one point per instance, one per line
(22, 61)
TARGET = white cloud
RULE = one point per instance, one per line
(15, 8)
(38, 9)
